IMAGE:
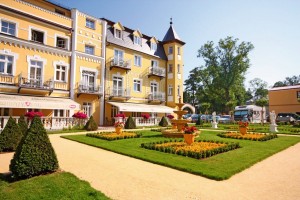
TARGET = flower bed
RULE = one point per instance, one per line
(113, 135)
(198, 150)
(248, 136)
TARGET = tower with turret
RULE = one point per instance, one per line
(173, 47)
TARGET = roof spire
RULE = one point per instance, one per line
(171, 21)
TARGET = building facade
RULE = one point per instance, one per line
(59, 61)
(285, 99)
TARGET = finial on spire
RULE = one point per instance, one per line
(171, 21)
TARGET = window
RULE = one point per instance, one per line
(61, 42)
(178, 90)
(61, 113)
(170, 50)
(4, 112)
(118, 56)
(60, 74)
(89, 49)
(178, 50)
(137, 60)
(154, 63)
(8, 28)
(6, 63)
(298, 95)
(137, 40)
(136, 114)
(114, 111)
(90, 23)
(37, 36)
(118, 89)
(153, 46)
(88, 79)
(137, 85)
(170, 90)
(178, 68)
(87, 108)
(60, 12)
(170, 68)
(36, 72)
(118, 33)
(154, 88)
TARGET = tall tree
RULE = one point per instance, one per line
(294, 80)
(191, 87)
(223, 73)
(258, 88)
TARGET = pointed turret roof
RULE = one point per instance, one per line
(171, 35)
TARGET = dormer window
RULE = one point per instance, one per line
(137, 40)
(118, 33)
(153, 46)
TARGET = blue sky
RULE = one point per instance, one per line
(272, 26)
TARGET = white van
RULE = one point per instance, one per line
(252, 112)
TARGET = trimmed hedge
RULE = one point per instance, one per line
(10, 137)
(34, 155)
(91, 125)
(264, 137)
(163, 122)
(105, 135)
(130, 124)
(198, 155)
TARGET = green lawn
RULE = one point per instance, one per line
(62, 186)
(218, 167)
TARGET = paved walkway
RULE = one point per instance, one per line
(121, 177)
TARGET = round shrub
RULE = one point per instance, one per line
(34, 155)
(10, 137)
(91, 125)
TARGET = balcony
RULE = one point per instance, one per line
(87, 89)
(35, 84)
(119, 93)
(6, 79)
(157, 71)
(157, 97)
(121, 64)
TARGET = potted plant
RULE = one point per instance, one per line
(189, 134)
(243, 126)
(80, 117)
(118, 127)
(120, 116)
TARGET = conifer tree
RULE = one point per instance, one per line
(35, 154)
(10, 137)
(163, 122)
(91, 125)
(130, 124)
(23, 124)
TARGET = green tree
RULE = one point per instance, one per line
(163, 122)
(23, 124)
(294, 80)
(10, 137)
(91, 125)
(262, 103)
(258, 87)
(205, 107)
(130, 123)
(34, 155)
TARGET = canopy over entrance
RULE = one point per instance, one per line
(135, 107)
(18, 101)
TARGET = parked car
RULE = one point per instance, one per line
(194, 117)
(186, 116)
(287, 117)
(225, 119)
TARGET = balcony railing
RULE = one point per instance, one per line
(120, 63)
(157, 71)
(60, 85)
(119, 92)
(6, 79)
(139, 121)
(87, 89)
(157, 96)
(35, 84)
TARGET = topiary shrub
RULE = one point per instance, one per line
(199, 121)
(23, 124)
(34, 155)
(10, 137)
(163, 122)
(130, 123)
(91, 125)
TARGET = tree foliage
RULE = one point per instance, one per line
(258, 88)
(91, 125)
(23, 124)
(294, 80)
(10, 137)
(130, 123)
(221, 78)
(163, 122)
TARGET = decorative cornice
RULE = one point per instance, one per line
(90, 17)
(33, 46)
(88, 57)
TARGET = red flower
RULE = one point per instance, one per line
(121, 115)
(243, 124)
(31, 114)
(170, 116)
(119, 124)
(189, 129)
(80, 115)
(145, 116)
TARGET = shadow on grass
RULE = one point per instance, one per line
(6, 177)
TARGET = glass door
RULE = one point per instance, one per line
(118, 89)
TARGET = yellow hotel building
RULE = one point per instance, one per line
(59, 61)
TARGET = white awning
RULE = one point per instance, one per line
(18, 101)
(135, 107)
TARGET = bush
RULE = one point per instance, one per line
(34, 155)
(23, 124)
(10, 137)
(199, 121)
(91, 125)
(130, 124)
(163, 122)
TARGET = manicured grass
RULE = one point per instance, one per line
(62, 186)
(218, 167)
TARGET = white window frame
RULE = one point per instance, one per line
(170, 50)
(64, 37)
(118, 77)
(154, 83)
(178, 51)
(123, 54)
(61, 63)
(153, 46)
(170, 90)
(114, 111)
(137, 40)
(170, 66)
(15, 56)
(66, 113)
(37, 29)
(140, 83)
(38, 59)
(88, 25)
(87, 108)
(92, 47)
(11, 22)
(154, 61)
(82, 69)
(140, 60)
(121, 33)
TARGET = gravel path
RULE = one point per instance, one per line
(121, 177)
